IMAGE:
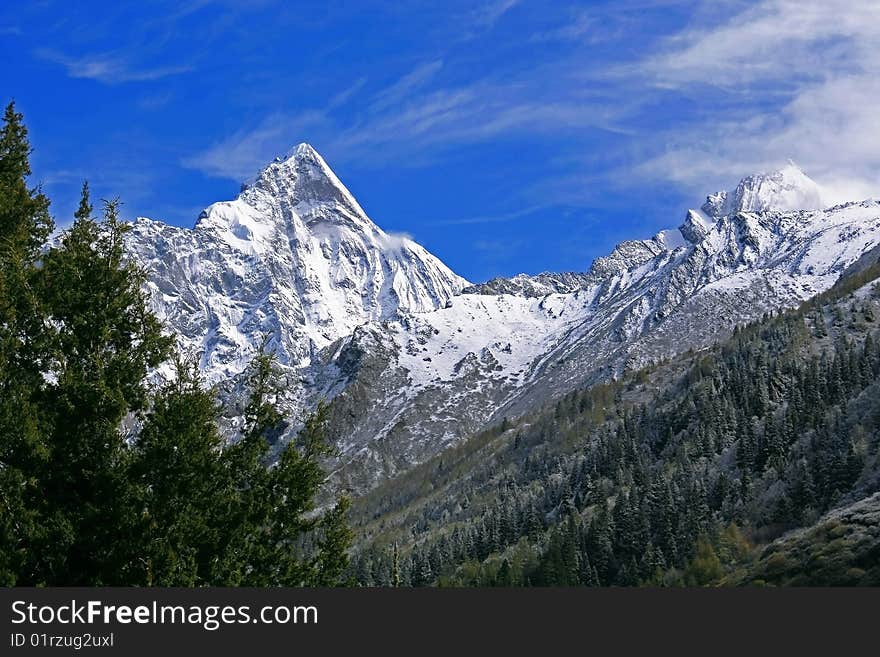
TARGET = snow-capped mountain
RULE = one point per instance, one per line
(415, 360)
(788, 188)
(294, 258)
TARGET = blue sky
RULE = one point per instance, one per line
(504, 135)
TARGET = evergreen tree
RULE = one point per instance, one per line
(104, 341)
(24, 226)
(333, 545)
(395, 566)
(504, 576)
(178, 471)
(275, 537)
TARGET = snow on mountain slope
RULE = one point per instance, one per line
(413, 358)
(486, 356)
(746, 264)
(294, 258)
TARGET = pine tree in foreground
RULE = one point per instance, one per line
(24, 226)
(104, 481)
(103, 343)
(218, 515)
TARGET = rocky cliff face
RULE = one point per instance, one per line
(293, 258)
(414, 359)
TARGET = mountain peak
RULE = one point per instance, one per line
(302, 150)
(300, 161)
(301, 153)
(301, 177)
(785, 189)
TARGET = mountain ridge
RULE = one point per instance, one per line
(413, 358)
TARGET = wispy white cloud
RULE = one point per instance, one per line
(395, 241)
(347, 94)
(773, 40)
(409, 120)
(495, 218)
(803, 78)
(582, 25)
(438, 120)
(832, 130)
(108, 67)
(488, 13)
(405, 85)
(240, 155)
(767, 81)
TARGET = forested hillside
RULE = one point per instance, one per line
(676, 474)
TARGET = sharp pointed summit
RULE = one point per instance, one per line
(293, 256)
(303, 179)
(303, 149)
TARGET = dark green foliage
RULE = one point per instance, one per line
(177, 471)
(221, 516)
(24, 226)
(104, 481)
(24, 212)
(103, 342)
